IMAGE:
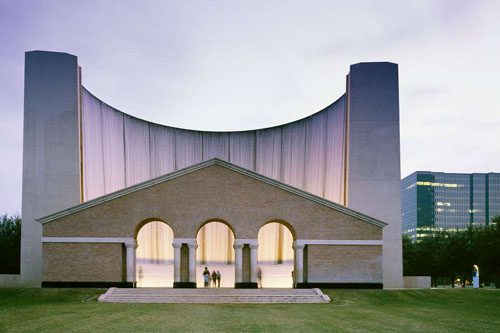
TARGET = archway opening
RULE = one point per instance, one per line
(155, 255)
(275, 256)
(215, 252)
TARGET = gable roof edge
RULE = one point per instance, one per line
(304, 194)
(124, 191)
(202, 165)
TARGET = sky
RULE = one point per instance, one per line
(234, 65)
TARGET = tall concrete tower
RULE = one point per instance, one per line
(51, 149)
(373, 156)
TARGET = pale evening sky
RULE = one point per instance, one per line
(232, 65)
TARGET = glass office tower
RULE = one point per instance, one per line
(433, 201)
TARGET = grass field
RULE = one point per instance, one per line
(77, 310)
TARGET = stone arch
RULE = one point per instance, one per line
(154, 254)
(139, 226)
(275, 255)
(283, 222)
(215, 238)
(215, 220)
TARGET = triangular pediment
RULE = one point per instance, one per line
(229, 166)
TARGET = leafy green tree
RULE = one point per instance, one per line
(10, 244)
(489, 257)
(409, 256)
(450, 255)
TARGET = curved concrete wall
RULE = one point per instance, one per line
(120, 150)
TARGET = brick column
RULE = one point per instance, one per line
(192, 262)
(246, 263)
(130, 261)
(177, 262)
(299, 263)
(253, 262)
(238, 263)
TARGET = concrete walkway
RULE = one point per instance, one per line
(213, 295)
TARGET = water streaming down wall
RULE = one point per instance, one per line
(120, 150)
(215, 244)
(154, 243)
(275, 244)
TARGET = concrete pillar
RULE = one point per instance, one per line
(299, 263)
(51, 153)
(253, 262)
(192, 262)
(184, 262)
(372, 172)
(177, 262)
(130, 261)
(238, 263)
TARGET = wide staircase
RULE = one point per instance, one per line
(213, 295)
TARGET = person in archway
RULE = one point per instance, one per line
(141, 274)
(218, 279)
(259, 277)
(214, 279)
(206, 277)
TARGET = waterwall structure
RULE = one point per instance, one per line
(77, 148)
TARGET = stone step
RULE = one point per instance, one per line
(213, 291)
(215, 300)
(211, 297)
(169, 295)
(223, 301)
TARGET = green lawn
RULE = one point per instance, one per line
(77, 310)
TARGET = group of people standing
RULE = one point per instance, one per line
(215, 277)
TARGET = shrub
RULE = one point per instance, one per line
(10, 244)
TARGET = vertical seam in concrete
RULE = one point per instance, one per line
(254, 155)
(102, 150)
(345, 148)
(325, 150)
(228, 147)
(175, 150)
(124, 153)
(149, 152)
(80, 130)
(202, 147)
(281, 176)
(304, 183)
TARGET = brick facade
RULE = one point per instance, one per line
(80, 262)
(186, 202)
(344, 264)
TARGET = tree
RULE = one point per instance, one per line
(452, 254)
(10, 244)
